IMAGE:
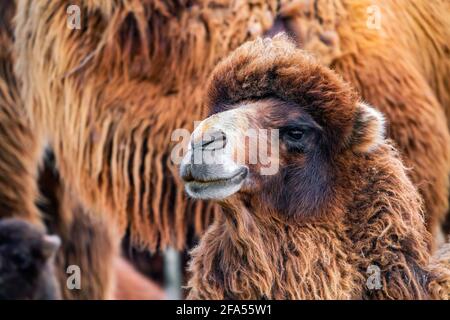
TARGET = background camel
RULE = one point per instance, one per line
(396, 55)
(152, 210)
(86, 240)
(339, 203)
(106, 98)
(26, 262)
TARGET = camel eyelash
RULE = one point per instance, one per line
(293, 132)
(289, 129)
(305, 123)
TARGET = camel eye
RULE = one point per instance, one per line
(295, 134)
(295, 138)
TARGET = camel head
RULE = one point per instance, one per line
(26, 262)
(280, 124)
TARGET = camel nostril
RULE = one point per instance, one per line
(212, 141)
(186, 173)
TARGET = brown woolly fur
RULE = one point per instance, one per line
(441, 265)
(112, 98)
(91, 245)
(371, 217)
(88, 241)
(255, 74)
(106, 98)
(401, 65)
(18, 170)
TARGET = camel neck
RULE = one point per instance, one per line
(267, 251)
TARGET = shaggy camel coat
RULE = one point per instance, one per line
(106, 98)
(370, 216)
(397, 55)
(111, 143)
(121, 95)
(88, 241)
(21, 173)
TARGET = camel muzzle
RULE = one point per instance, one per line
(208, 170)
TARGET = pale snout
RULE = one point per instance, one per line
(209, 170)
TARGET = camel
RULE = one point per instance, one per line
(396, 55)
(124, 178)
(26, 262)
(105, 98)
(86, 240)
(339, 205)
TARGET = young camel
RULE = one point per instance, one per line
(339, 209)
(26, 262)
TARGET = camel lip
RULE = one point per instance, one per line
(217, 189)
(238, 176)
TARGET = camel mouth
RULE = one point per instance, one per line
(216, 187)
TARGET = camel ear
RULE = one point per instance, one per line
(369, 129)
